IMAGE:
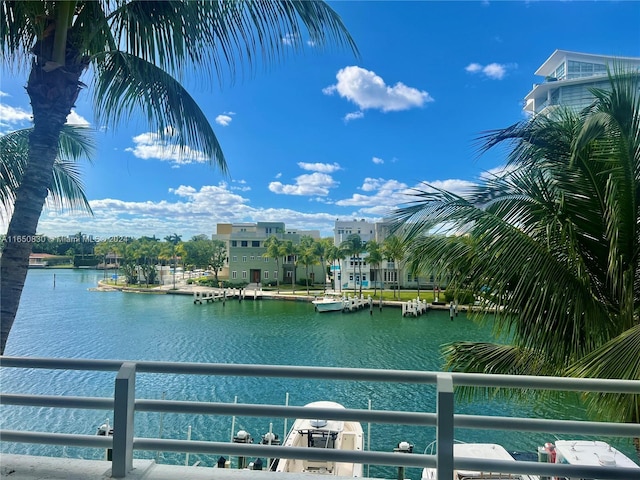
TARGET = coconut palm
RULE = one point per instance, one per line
(353, 246)
(307, 255)
(274, 247)
(135, 52)
(374, 251)
(335, 255)
(554, 241)
(393, 249)
(66, 190)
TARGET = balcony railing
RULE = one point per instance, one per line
(125, 405)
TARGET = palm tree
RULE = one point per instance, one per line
(66, 190)
(288, 249)
(307, 254)
(136, 50)
(335, 255)
(353, 246)
(274, 247)
(321, 249)
(554, 242)
(173, 240)
(375, 258)
(393, 249)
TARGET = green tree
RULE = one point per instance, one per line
(375, 257)
(274, 250)
(136, 51)
(555, 243)
(173, 240)
(218, 257)
(307, 255)
(354, 247)
(66, 190)
(393, 249)
(289, 250)
(322, 247)
(335, 255)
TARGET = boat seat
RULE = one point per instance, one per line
(317, 466)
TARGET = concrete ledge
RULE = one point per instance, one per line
(28, 467)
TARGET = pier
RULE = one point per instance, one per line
(414, 308)
(351, 304)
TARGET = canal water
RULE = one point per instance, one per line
(61, 315)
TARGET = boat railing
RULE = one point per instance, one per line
(124, 406)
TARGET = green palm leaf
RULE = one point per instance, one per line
(66, 190)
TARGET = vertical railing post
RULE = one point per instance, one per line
(444, 426)
(123, 409)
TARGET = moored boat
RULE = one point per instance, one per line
(587, 452)
(329, 303)
(487, 451)
(325, 434)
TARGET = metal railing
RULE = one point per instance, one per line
(125, 405)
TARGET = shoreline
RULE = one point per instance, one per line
(257, 294)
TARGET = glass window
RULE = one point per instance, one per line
(253, 257)
(244, 274)
(234, 258)
(234, 243)
(266, 274)
(244, 258)
(255, 243)
(234, 274)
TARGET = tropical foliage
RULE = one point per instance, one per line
(66, 190)
(554, 241)
(136, 52)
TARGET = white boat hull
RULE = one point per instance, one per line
(325, 434)
(329, 304)
(487, 451)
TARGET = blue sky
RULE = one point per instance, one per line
(325, 135)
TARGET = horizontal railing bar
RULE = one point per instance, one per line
(374, 416)
(272, 451)
(68, 439)
(337, 373)
(546, 425)
(57, 401)
(546, 383)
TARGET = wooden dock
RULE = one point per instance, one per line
(351, 304)
(414, 308)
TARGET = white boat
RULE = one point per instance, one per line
(587, 452)
(327, 434)
(486, 451)
(329, 303)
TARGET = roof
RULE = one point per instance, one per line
(557, 56)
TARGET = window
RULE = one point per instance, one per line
(255, 243)
(266, 274)
(244, 274)
(275, 274)
(244, 243)
(234, 258)
(289, 275)
(253, 257)
(266, 259)
(234, 243)
(234, 274)
(244, 258)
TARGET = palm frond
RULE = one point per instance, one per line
(66, 191)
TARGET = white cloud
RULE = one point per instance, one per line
(4, 94)
(150, 145)
(308, 184)
(13, 115)
(377, 161)
(223, 120)
(320, 167)
(494, 71)
(353, 116)
(368, 90)
(75, 119)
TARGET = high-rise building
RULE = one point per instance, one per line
(568, 78)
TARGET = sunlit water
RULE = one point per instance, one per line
(71, 320)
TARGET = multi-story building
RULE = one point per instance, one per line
(568, 78)
(246, 262)
(354, 270)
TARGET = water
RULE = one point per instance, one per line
(71, 320)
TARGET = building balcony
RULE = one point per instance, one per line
(124, 407)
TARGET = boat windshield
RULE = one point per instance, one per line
(320, 438)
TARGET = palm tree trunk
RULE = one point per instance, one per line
(52, 96)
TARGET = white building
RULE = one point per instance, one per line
(568, 77)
